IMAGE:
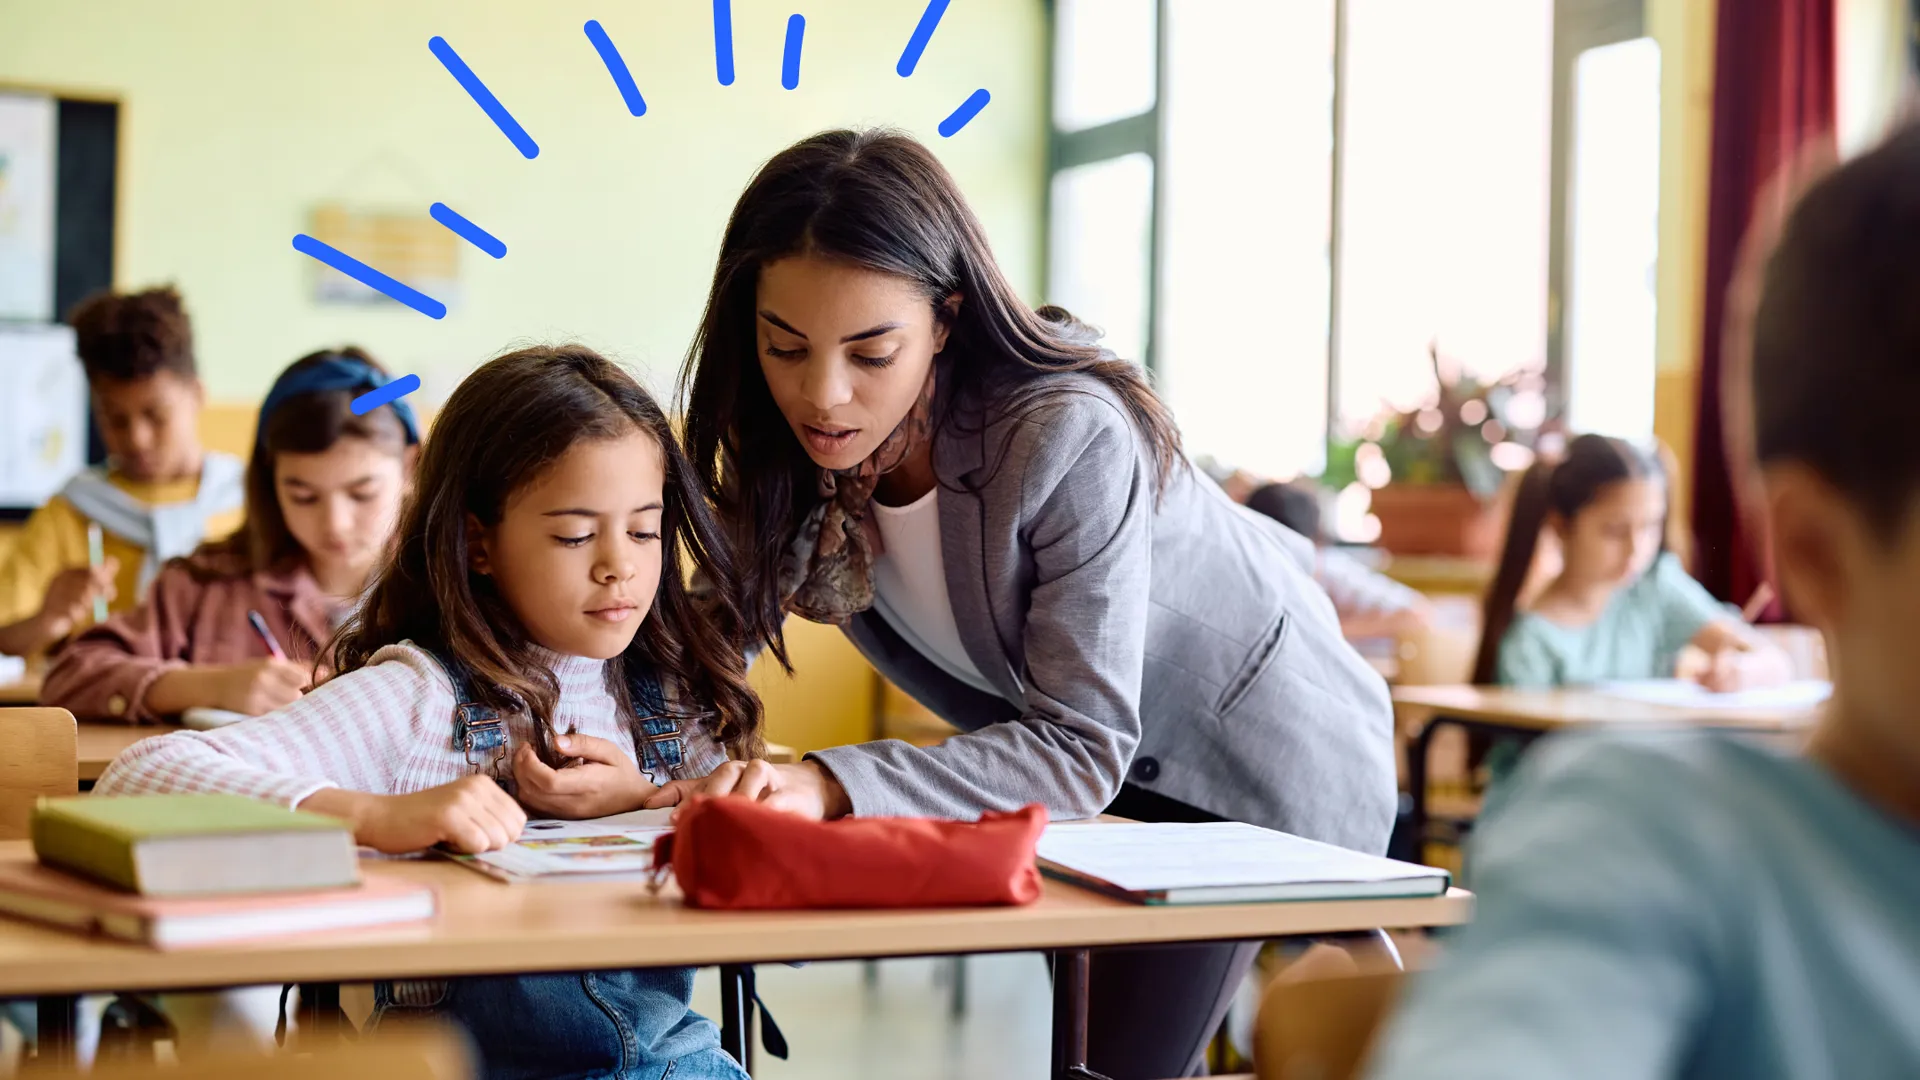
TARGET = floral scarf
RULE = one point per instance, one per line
(827, 575)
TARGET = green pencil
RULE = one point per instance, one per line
(97, 554)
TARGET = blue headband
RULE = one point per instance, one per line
(336, 372)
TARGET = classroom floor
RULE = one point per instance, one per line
(902, 1028)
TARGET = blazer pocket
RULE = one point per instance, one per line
(1254, 666)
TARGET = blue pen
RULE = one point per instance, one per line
(259, 625)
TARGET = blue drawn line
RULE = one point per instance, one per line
(484, 98)
(373, 399)
(790, 63)
(368, 276)
(923, 33)
(723, 41)
(468, 231)
(968, 109)
(616, 67)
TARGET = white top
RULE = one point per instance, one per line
(910, 587)
(386, 728)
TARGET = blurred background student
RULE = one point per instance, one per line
(1369, 604)
(1620, 606)
(158, 496)
(324, 487)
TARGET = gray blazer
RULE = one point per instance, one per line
(1183, 648)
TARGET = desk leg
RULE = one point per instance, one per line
(59, 1020)
(1071, 971)
(1417, 785)
(736, 1013)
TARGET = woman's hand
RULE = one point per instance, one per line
(1731, 670)
(604, 781)
(807, 788)
(470, 815)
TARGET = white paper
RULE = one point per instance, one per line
(28, 135)
(621, 844)
(1684, 693)
(43, 412)
(1153, 857)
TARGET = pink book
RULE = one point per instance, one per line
(29, 890)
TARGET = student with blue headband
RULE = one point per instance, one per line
(237, 624)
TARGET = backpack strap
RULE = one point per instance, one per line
(479, 731)
(662, 743)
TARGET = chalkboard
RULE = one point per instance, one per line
(87, 182)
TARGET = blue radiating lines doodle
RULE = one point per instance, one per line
(922, 33)
(790, 61)
(368, 276)
(468, 231)
(616, 67)
(484, 98)
(968, 109)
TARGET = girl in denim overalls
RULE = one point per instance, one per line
(529, 647)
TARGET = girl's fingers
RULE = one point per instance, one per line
(672, 793)
(588, 748)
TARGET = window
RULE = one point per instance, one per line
(1283, 208)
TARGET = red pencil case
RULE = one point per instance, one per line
(738, 855)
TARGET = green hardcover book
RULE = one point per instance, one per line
(194, 845)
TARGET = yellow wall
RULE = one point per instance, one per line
(239, 117)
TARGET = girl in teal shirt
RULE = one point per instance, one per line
(1621, 606)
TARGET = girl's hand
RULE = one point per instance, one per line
(470, 815)
(70, 597)
(259, 686)
(807, 788)
(604, 781)
(1732, 670)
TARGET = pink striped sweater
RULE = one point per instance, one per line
(386, 729)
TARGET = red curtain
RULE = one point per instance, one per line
(1773, 98)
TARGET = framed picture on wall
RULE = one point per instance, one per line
(28, 155)
(43, 415)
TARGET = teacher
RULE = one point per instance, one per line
(998, 514)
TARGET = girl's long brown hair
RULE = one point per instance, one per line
(505, 425)
(1564, 487)
(302, 424)
(880, 200)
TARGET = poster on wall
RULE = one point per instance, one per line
(407, 245)
(43, 412)
(27, 153)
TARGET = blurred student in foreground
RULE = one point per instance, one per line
(1702, 906)
(1369, 604)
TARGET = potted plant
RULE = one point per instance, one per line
(1435, 473)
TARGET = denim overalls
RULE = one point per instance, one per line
(620, 1025)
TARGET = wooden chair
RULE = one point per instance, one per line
(1321, 1029)
(39, 758)
(420, 1053)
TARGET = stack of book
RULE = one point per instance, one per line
(176, 871)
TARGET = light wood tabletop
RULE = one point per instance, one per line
(101, 743)
(22, 691)
(487, 927)
(1550, 710)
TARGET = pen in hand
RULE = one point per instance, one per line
(259, 625)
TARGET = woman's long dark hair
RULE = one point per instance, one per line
(302, 424)
(881, 201)
(1550, 487)
(504, 426)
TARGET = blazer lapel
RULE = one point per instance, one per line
(958, 453)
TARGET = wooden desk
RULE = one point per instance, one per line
(1551, 710)
(1421, 710)
(488, 928)
(21, 691)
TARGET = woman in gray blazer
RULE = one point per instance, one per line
(999, 515)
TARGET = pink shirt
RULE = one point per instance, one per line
(104, 674)
(386, 729)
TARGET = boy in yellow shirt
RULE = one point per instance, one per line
(159, 495)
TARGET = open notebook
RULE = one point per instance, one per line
(616, 848)
(1685, 693)
(1223, 863)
